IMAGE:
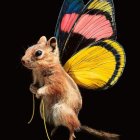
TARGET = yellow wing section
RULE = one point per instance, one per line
(97, 66)
(103, 5)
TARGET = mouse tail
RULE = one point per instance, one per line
(100, 134)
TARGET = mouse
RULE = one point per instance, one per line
(56, 89)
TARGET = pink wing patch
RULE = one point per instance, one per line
(68, 21)
(94, 26)
(90, 26)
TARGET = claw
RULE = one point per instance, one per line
(53, 131)
(74, 136)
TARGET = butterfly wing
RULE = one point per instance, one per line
(97, 66)
(87, 50)
(94, 23)
(68, 14)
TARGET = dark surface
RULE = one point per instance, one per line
(114, 110)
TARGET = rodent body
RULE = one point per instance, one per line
(56, 89)
(53, 85)
(62, 98)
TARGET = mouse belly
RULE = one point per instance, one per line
(48, 114)
(60, 114)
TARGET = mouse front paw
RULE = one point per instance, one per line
(42, 91)
(33, 88)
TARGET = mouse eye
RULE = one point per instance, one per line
(38, 53)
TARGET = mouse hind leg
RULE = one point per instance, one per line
(65, 116)
(71, 136)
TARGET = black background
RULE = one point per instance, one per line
(114, 110)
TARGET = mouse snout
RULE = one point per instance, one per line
(25, 61)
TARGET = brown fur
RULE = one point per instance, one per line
(56, 88)
(53, 85)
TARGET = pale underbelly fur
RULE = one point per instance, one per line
(55, 110)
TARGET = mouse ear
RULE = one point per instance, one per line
(43, 39)
(52, 42)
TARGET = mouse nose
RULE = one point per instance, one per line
(24, 61)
